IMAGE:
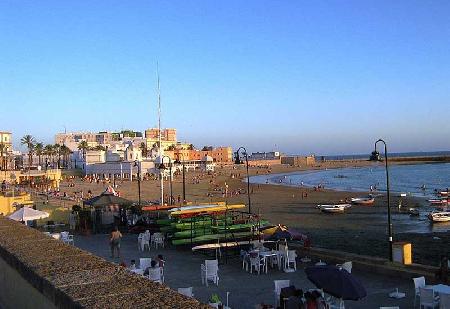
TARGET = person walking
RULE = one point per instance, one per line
(115, 241)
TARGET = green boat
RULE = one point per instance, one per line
(237, 227)
(195, 233)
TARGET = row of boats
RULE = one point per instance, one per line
(441, 214)
(341, 208)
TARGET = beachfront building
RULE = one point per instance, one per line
(220, 155)
(105, 139)
(299, 160)
(168, 138)
(6, 150)
(264, 159)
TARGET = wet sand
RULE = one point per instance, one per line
(362, 230)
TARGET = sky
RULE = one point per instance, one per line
(323, 77)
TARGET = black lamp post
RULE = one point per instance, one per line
(136, 163)
(162, 167)
(177, 161)
(239, 161)
(375, 156)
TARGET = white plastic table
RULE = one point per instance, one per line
(265, 255)
(441, 288)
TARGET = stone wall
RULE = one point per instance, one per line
(38, 271)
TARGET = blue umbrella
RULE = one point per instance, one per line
(336, 281)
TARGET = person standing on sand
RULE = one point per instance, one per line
(116, 236)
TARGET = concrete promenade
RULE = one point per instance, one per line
(246, 290)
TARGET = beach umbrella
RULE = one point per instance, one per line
(28, 214)
(336, 281)
(282, 232)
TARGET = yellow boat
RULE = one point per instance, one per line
(219, 208)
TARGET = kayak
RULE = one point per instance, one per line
(211, 237)
(205, 210)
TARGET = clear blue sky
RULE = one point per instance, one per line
(326, 77)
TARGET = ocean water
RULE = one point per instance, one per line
(403, 178)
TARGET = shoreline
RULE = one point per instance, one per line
(362, 230)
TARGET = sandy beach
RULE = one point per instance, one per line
(362, 230)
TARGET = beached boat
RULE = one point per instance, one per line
(437, 201)
(443, 193)
(363, 200)
(414, 212)
(337, 208)
(439, 216)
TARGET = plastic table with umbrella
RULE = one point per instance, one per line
(337, 282)
(25, 214)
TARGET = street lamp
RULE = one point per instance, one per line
(136, 164)
(375, 156)
(177, 161)
(162, 167)
(239, 161)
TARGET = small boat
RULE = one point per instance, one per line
(443, 193)
(414, 212)
(439, 216)
(362, 200)
(437, 201)
(337, 208)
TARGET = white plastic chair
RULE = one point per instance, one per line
(245, 260)
(157, 240)
(427, 298)
(69, 240)
(154, 274)
(419, 282)
(256, 262)
(444, 301)
(279, 284)
(291, 259)
(186, 291)
(209, 271)
(144, 263)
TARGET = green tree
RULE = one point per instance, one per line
(3, 149)
(83, 147)
(28, 141)
(48, 152)
(143, 148)
(39, 149)
(57, 152)
(65, 152)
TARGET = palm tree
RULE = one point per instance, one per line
(57, 152)
(191, 147)
(28, 140)
(143, 148)
(39, 148)
(65, 152)
(48, 151)
(2, 150)
(83, 146)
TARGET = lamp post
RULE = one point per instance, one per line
(239, 161)
(162, 167)
(177, 161)
(375, 156)
(136, 164)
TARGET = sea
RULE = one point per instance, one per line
(421, 180)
